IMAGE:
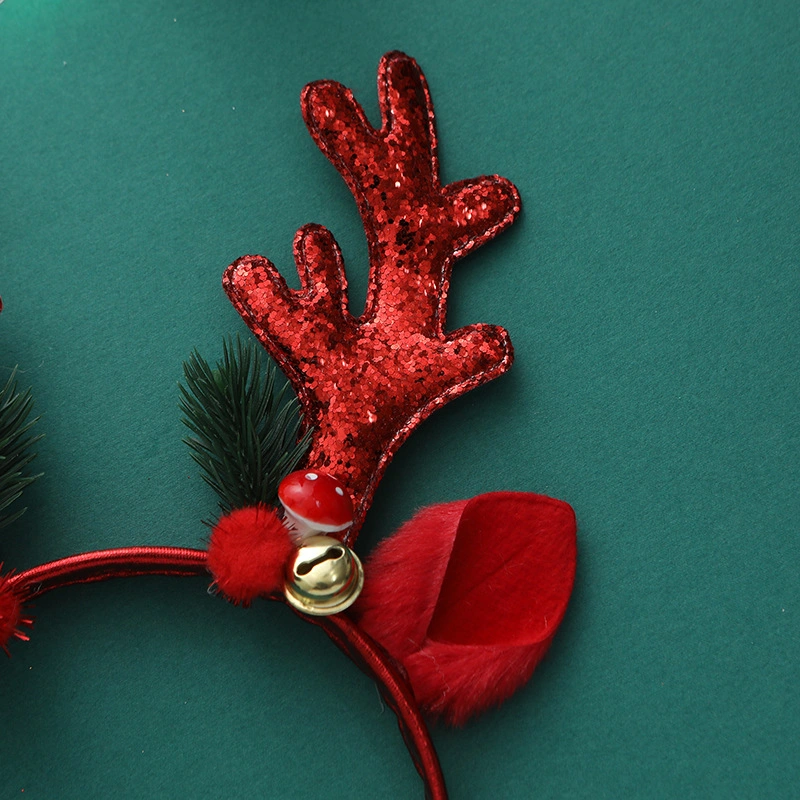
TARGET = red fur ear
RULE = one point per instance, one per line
(468, 596)
(248, 552)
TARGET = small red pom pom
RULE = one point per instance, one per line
(248, 552)
(10, 615)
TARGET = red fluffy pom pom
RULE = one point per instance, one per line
(468, 596)
(10, 615)
(248, 552)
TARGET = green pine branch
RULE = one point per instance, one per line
(15, 444)
(245, 431)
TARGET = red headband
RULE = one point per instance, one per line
(457, 634)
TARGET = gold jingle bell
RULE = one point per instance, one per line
(324, 577)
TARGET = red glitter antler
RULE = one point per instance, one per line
(365, 383)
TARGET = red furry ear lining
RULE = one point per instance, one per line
(248, 552)
(468, 595)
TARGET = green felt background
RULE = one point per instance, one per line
(651, 289)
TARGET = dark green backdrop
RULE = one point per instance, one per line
(651, 289)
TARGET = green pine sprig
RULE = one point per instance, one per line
(245, 430)
(15, 444)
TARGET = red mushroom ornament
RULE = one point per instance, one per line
(315, 502)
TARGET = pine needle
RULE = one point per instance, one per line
(245, 431)
(15, 443)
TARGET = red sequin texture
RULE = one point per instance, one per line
(365, 383)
